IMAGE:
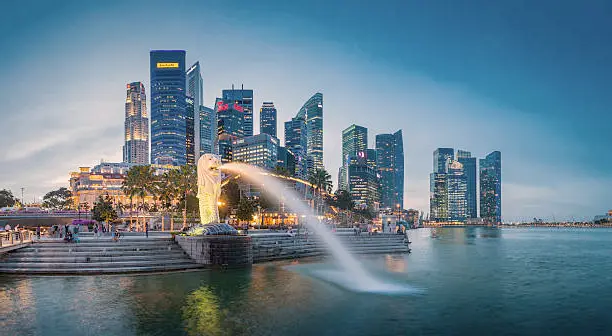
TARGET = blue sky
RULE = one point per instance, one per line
(527, 78)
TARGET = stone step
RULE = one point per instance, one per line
(70, 249)
(94, 258)
(93, 270)
(105, 243)
(112, 264)
(173, 249)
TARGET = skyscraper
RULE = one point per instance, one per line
(457, 191)
(438, 197)
(490, 188)
(363, 183)
(243, 98)
(469, 169)
(267, 119)
(195, 89)
(295, 142)
(168, 122)
(312, 112)
(230, 121)
(259, 150)
(208, 130)
(390, 165)
(190, 131)
(136, 148)
(440, 159)
(354, 140)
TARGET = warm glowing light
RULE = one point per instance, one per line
(165, 65)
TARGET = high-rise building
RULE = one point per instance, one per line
(168, 122)
(371, 158)
(243, 98)
(390, 165)
(136, 148)
(208, 130)
(363, 183)
(295, 142)
(286, 160)
(312, 113)
(195, 89)
(258, 150)
(267, 119)
(354, 140)
(230, 121)
(440, 159)
(457, 192)
(469, 169)
(190, 132)
(490, 188)
(438, 197)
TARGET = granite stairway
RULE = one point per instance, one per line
(280, 246)
(98, 256)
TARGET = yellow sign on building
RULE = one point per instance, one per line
(163, 65)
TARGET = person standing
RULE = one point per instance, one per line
(147, 229)
(38, 232)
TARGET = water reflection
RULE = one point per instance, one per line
(395, 263)
(201, 313)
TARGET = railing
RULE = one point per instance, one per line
(15, 237)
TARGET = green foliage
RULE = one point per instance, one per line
(139, 182)
(282, 171)
(103, 210)
(321, 179)
(343, 200)
(7, 199)
(60, 199)
(246, 209)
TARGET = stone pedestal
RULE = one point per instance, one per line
(218, 251)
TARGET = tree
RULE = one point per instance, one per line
(245, 210)
(186, 180)
(7, 199)
(139, 182)
(167, 193)
(321, 182)
(60, 199)
(343, 200)
(282, 171)
(103, 210)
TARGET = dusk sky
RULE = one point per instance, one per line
(528, 78)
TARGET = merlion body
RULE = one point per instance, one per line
(209, 188)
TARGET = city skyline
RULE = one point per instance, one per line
(539, 179)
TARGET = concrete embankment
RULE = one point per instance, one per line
(98, 256)
(278, 246)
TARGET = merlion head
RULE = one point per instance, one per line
(209, 164)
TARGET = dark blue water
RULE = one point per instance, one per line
(474, 282)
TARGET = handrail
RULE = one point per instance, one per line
(15, 237)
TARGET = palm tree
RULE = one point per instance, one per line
(185, 181)
(321, 182)
(167, 193)
(139, 182)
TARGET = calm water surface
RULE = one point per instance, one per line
(473, 282)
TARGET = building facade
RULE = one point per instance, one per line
(390, 165)
(244, 99)
(457, 192)
(136, 148)
(438, 197)
(286, 160)
(313, 111)
(208, 131)
(259, 150)
(267, 119)
(230, 120)
(195, 90)
(295, 142)
(490, 188)
(190, 132)
(168, 112)
(363, 182)
(354, 140)
(441, 157)
(471, 173)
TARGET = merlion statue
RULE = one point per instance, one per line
(209, 188)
